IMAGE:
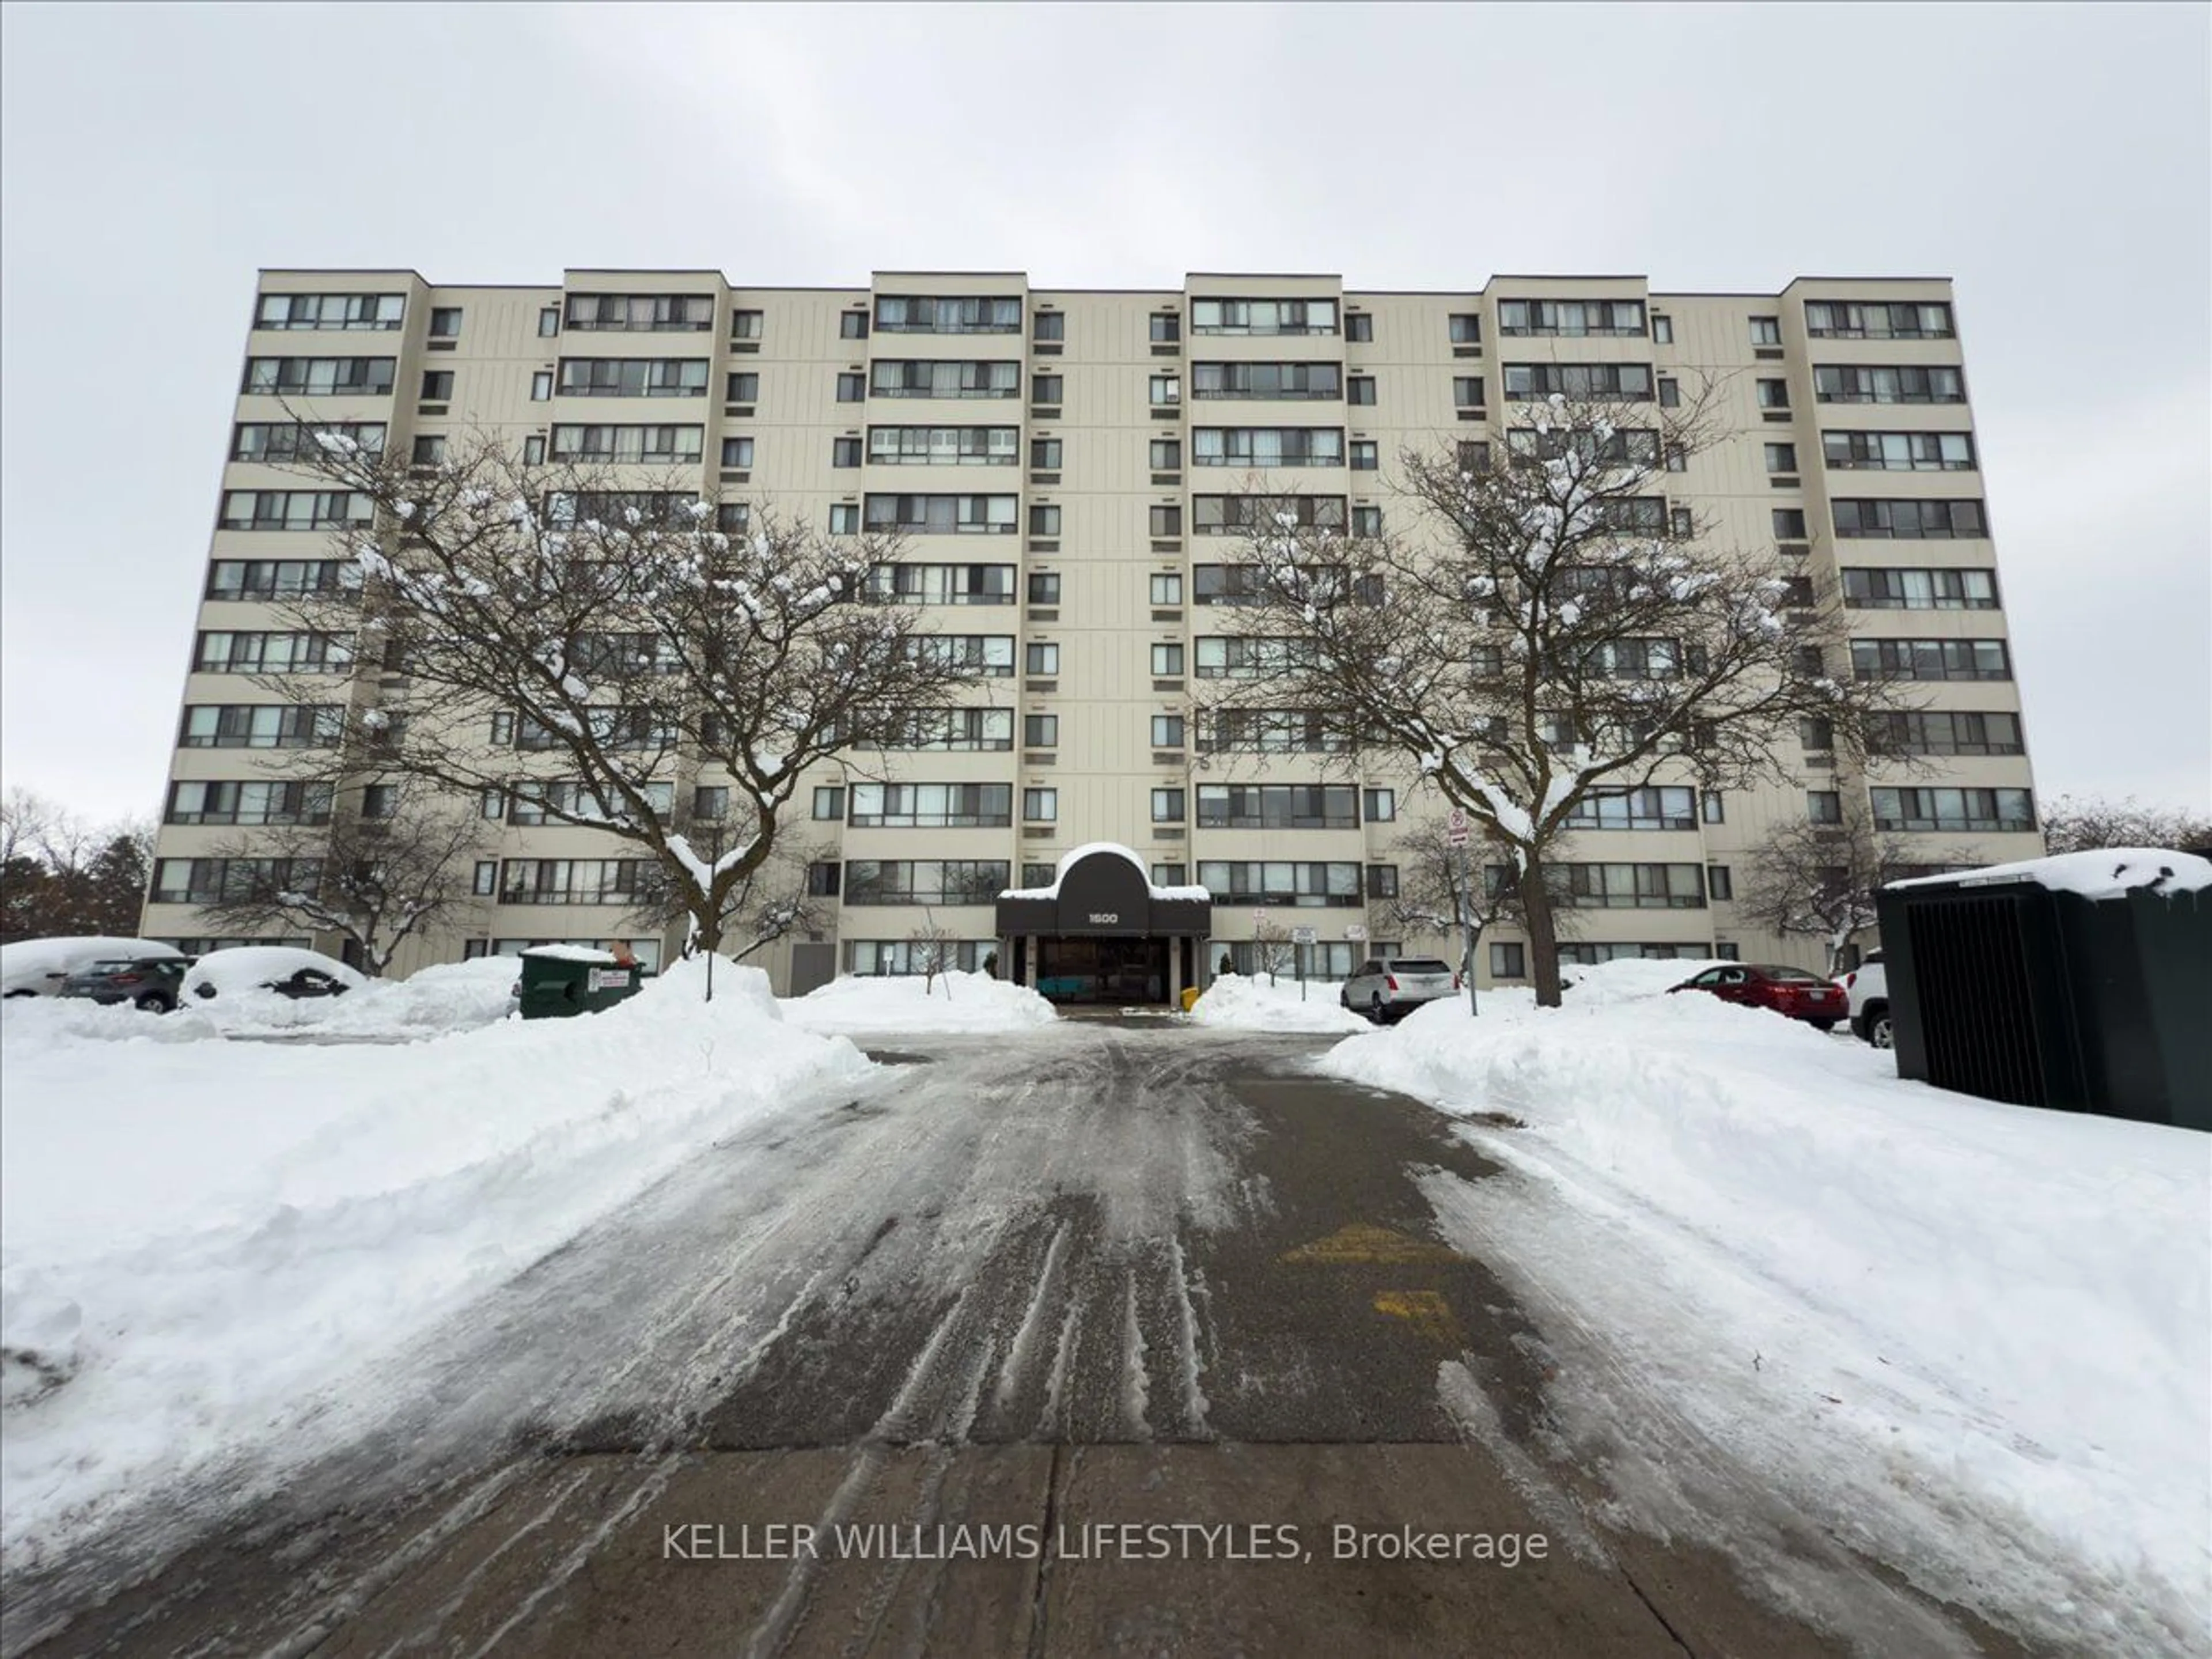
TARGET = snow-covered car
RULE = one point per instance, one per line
(281, 969)
(1388, 989)
(37, 967)
(1867, 986)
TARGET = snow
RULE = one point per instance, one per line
(26, 965)
(571, 953)
(1975, 1334)
(207, 1247)
(1069, 861)
(1234, 1002)
(2105, 873)
(958, 1002)
(240, 973)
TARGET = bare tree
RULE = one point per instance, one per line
(933, 950)
(1809, 880)
(1273, 953)
(1433, 900)
(61, 875)
(558, 624)
(2081, 823)
(376, 882)
(1546, 631)
(773, 901)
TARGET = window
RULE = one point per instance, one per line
(1040, 657)
(295, 509)
(1166, 328)
(1167, 806)
(1165, 588)
(731, 517)
(941, 515)
(428, 451)
(1900, 451)
(1167, 661)
(1465, 328)
(1047, 389)
(1212, 316)
(745, 324)
(1049, 325)
(320, 377)
(1824, 807)
(1930, 659)
(1666, 807)
(1044, 521)
(1953, 731)
(948, 378)
(1836, 383)
(1218, 515)
(932, 805)
(1040, 806)
(196, 802)
(844, 452)
(1633, 887)
(1773, 394)
(1954, 809)
(925, 881)
(1382, 881)
(939, 584)
(1037, 875)
(1662, 330)
(1044, 454)
(209, 881)
(541, 387)
(1359, 327)
(1571, 318)
(1365, 458)
(330, 311)
(844, 518)
(1839, 320)
(944, 446)
(437, 385)
(533, 450)
(1670, 394)
(1678, 458)
(1719, 882)
(641, 312)
(1249, 657)
(1246, 447)
(982, 655)
(1282, 382)
(1273, 731)
(1790, 524)
(1044, 588)
(562, 800)
(486, 882)
(1681, 522)
(491, 802)
(710, 802)
(1781, 458)
(1166, 454)
(1277, 806)
(744, 388)
(279, 441)
(1166, 521)
(1578, 382)
(1467, 390)
(1581, 954)
(1167, 730)
(1919, 590)
(1712, 808)
(1284, 882)
(280, 578)
(664, 446)
(1170, 875)
(444, 322)
(737, 452)
(915, 313)
(828, 802)
(851, 389)
(1816, 733)
(824, 879)
(1360, 389)
(853, 325)
(957, 730)
(632, 377)
(1367, 521)
(1766, 331)
(1509, 959)
(1165, 390)
(894, 956)
(1909, 520)
(1382, 804)
(1040, 730)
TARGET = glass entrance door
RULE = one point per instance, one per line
(1120, 971)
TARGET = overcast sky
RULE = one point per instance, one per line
(2056, 161)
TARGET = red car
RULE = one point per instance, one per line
(1791, 991)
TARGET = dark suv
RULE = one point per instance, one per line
(148, 982)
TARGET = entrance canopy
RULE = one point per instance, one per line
(1103, 890)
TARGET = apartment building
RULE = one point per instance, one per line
(1066, 465)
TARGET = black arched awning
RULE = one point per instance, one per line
(1102, 892)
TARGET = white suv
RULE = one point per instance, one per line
(1388, 989)
(1868, 988)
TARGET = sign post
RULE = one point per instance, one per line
(1301, 940)
(1457, 835)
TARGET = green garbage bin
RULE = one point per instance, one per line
(568, 979)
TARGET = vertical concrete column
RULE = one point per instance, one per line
(1174, 973)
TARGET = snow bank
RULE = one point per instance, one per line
(1236, 1003)
(456, 996)
(960, 1002)
(1979, 1329)
(2107, 872)
(205, 1246)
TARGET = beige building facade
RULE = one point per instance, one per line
(1065, 464)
